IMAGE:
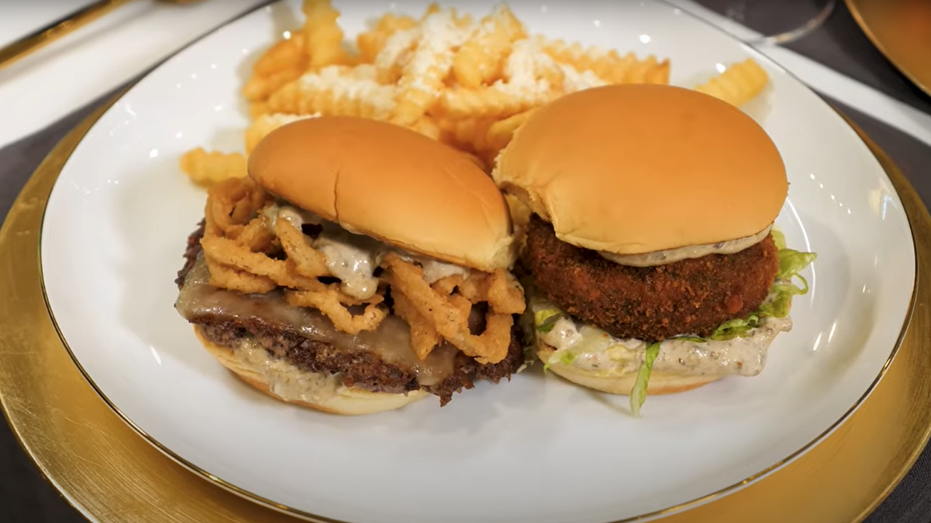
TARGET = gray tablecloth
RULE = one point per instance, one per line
(26, 497)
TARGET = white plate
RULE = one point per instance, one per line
(535, 449)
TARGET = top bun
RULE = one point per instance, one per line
(631, 169)
(390, 183)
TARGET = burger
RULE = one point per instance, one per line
(359, 267)
(649, 244)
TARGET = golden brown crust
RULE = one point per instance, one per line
(631, 169)
(659, 383)
(346, 401)
(389, 183)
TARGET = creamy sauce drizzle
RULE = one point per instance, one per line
(353, 258)
(650, 259)
(390, 341)
(435, 270)
(286, 380)
(596, 350)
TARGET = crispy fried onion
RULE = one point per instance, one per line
(442, 311)
(244, 253)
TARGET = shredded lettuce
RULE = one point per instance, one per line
(638, 394)
(546, 319)
(694, 339)
(736, 328)
(791, 263)
(778, 238)
(566, 357)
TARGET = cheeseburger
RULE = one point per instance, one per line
(359, 267)
(649, 239)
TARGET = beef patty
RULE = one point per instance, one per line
(688, 297)
(359, 369)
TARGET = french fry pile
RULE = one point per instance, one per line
(468, 83)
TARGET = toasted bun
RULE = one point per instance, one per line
(631, 169)
(659, 383)
(389, 183)
(339, 400)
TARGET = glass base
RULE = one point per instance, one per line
(776, 21)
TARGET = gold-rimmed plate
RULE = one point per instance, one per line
(108, 279)
(901, 30)
(110, 474)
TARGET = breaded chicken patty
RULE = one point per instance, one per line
(688, 297)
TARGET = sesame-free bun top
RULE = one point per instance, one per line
(389, 183)
(631, 169)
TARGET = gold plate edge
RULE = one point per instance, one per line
(675, 509)
(70, 141)
(666, 511)
(884, 159)
(914, 455)
(854, 9)
(227, 485)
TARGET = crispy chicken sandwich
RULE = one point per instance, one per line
(649, 238)
(359, 267)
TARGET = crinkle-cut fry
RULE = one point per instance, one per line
(371, 42)
(467, 133)
(647, 71)
(495, 101)
(531, 78)
(266, 123)
(326, 299)
(422, 79)
(481, 59)
(308, 262)
(395, 54)
(427, 126)
(209, 168)
(335, 90)
(609, 65)
(353, 60)
(432, 9)
(281, 63)
(423, 336)
(501, 132)
(259, 88)
(463, 22)
(286, 54)
(575, 80)
(446, 316)
(257, 109)
(323, 35)
(738, 84)
(225, 277)
(528, 68)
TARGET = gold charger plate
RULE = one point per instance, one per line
(901, 30)
(111, 474)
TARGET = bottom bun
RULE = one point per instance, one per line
(321, 392)
(660, 383)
